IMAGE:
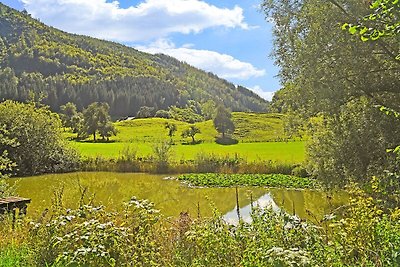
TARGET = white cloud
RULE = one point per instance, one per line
(148, 20)
(266, 95)
(223, 65)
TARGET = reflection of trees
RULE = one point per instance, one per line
(316, 202)
(170, 196)
(112, 189)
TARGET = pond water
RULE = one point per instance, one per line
(169, 196)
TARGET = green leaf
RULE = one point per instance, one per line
(353, 29)
(363, 38)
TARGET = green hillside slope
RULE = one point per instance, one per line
(71, 68)
(256, 134)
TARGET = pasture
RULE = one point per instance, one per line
(259, 136)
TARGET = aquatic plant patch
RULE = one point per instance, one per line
(226, 180)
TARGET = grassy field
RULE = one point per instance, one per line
(256, 134)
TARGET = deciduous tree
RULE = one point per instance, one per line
(222, 121)
(97, 119)
(67, 112)
(172, 128)
(191, 132)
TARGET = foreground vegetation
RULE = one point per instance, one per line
(269, 180)
(361, 234)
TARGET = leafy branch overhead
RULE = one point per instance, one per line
(383, 21)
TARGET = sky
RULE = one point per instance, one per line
(230, 38)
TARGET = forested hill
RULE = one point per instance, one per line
(79, 69)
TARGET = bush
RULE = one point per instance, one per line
(162, 156)
(347, 148)
(162, 114)
(39, 147)
(300, 171)
(91, 236)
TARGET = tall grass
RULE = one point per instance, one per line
(162, 161)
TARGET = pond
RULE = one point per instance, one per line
(169, 196)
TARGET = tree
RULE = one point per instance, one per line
(97, 119)
(172, 128)
(162, 114)
(67, 112)
(39, 146)
(191, 132)
(337, 79)
(145, 112)
(353, 145)
(222, 121)
(78, 126)
(107, 130)
(208, 109)
(322, 67)
(6, 165)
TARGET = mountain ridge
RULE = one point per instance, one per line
(68, 67)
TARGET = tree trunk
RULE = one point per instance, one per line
(94, 136)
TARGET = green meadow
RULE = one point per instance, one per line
(259, 136)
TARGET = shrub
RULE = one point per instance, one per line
(162, 156)
(39, 147)
(300, 171)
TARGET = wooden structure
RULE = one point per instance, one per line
(10, 204)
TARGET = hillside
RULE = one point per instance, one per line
(71, 68)
(249, 128)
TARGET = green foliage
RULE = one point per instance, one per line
(67, 114)
(162, 114)
(208, 109)
(222, 121)
(6, 165)
(352, 145)
(39, 147)
(270, 180)
(96, 118)
(145, 112)
(191, 132)
(162, 156)
(172, 128)
(300, 171)
(92, 236)
(14, 256)
(185, 114)
(383, 22)
(323, 67)
(342, 83)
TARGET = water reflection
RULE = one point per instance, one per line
(244, 213)
(169, 196)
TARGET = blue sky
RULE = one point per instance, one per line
(230, 38)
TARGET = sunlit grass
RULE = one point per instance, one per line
(256, 133)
